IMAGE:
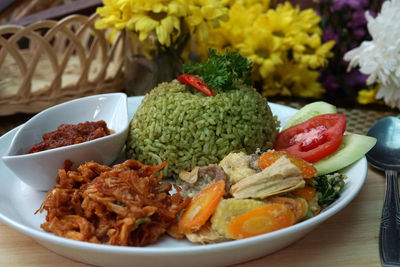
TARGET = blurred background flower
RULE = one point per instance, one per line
(161, 24)
(283, 42)
(159, 31)
(379, 58)
(297, 47)
(344, 22)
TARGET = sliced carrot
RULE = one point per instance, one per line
(298, 206)
(202, 207)
(304, 206)
(307, 192)
(268, 218)
(268, 158)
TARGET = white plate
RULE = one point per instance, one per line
(18, 203)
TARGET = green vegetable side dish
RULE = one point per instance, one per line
(328, 187)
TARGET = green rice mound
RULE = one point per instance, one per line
(183, 126)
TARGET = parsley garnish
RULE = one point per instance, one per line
(220, 70)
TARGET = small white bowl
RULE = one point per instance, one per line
(40, 170)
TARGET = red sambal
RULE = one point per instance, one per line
(69, 134)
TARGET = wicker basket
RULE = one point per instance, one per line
(50, 62)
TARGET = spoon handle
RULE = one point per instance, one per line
(389, 236)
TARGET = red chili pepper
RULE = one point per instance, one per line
(196, 82)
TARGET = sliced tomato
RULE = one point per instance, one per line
(313, 139)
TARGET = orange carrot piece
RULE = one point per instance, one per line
(304, 206)
(307, 192)
(202, 206)
(298, 206)
(268, 218)
(267, 158)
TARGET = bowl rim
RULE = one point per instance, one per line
(122, 130)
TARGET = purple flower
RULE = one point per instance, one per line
(344, 22)
(355, 78)
(359, 33)
(358, 19)
(355, 4)
(330, 34)
(330, 83)
(322, 1)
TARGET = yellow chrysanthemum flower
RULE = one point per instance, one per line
(203, 15)
(368, 96)
(259, 46)
(292, 79)
(284, 45)
(313, 55)
(165, 19)
(230, 33)
(237, 27)
(114, 14)
(263, 5)
(308, 21)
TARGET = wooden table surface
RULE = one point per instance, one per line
(349, 238)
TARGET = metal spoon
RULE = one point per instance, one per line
(385, 155)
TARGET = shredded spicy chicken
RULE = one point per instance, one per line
(121, 205)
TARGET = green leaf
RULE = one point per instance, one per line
(328, 187)
(220, 70)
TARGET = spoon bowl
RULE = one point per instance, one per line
(385, 155)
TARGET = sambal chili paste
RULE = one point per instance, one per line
(69, 134)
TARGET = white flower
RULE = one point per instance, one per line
(380, 57)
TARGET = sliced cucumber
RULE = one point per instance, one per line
(353, 147)
(309, 111)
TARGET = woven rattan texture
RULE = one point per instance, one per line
(50, 62)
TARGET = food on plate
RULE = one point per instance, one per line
(178, 123)
(70, 134)
(328, 187)
(308, 111)
(197, 83)
(237, 166)
(298, 206)
(275, 195)
(238, 177)
(201, 177)
(269, 218)
(125, 205)
(313, 139)
(352, 148)
(228, 209)
(267, 158)
(205, 235)
(240, 196)
(202, 207)
(280, 177)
